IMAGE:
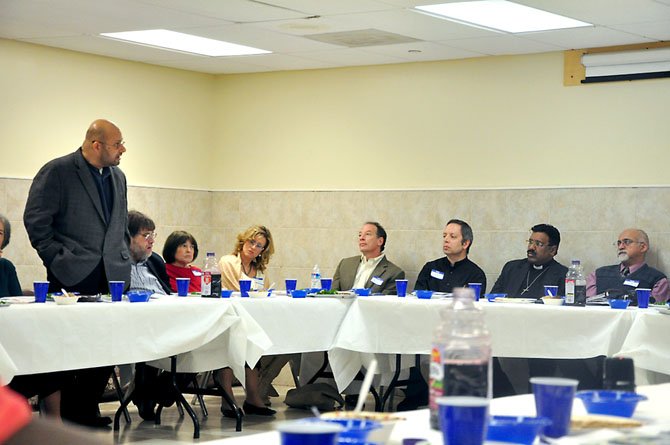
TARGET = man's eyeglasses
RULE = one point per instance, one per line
(626, 242)
(255, 244)
(537, 243)
(150, 235)
(115, 145)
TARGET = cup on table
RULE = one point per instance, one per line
(550, 291)
(477, 287)
(182, 286)
(291, 284)
(326, 283)
(305, 432)
(401, 287)
(245, 287)
(41, 288)
(463, 419)
(553, 400)
(116, 289)
(643, 297)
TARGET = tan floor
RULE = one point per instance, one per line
(179, 430)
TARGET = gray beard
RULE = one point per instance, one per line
(623, 256)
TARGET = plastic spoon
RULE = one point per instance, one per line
(365, 387)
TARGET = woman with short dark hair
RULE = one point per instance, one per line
(179, 252)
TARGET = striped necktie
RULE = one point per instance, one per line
(625, 272)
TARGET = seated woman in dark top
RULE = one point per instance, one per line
(9, 282)
(46, 386)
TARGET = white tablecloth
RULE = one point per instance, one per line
(209, 333)
(648, 341)
(390, 325)
(653, 413)
(297, 325)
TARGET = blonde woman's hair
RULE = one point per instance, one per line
(262, 260)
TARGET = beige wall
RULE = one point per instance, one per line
(497, 141)
(320, 227)
(488, 122)
(50, 96)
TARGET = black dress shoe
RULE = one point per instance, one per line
(258, 410)
(146, 410)
(93, 422)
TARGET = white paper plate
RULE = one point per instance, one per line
(515, 300)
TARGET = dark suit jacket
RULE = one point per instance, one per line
(156, 266)
(345, 274)
(66, 225)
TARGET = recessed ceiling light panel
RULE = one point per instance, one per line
(501, 15)
(177, 41)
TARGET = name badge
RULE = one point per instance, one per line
(257, 283)
(437, 274)
(632, 283)
(376, 280)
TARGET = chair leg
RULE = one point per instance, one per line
(179, 398)
(198, 395)
(119, 394)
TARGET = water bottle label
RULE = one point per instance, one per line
(569, 291)
(206, 283)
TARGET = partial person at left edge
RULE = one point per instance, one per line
(76, 217)
(9, 281)
(46, 386)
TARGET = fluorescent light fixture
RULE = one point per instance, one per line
(177, 41)
(501, 15)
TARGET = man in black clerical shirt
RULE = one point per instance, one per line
(443, 275)
(455, 269)
(526, 278)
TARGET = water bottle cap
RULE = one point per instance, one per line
(211, 254)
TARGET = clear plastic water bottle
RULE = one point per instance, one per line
(211, 277)
(315, 278)
(575, 285)
(461, 354)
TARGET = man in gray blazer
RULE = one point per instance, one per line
(370, 269)
(76, 217)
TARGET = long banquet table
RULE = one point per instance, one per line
(384, 325)
(210, 333)
(206, 334)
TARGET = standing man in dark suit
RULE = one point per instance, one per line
(370, 268)
(76, 218)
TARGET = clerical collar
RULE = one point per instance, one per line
(538, 267)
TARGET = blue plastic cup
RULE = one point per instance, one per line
(477, 287)
(245, 287)
(550, 291)
(303, 432)
(643, 297)
(401, 287)
(41, 288)
(182, 286)
(116, 289)
(553, 400)
(226, 293)
(326, 283)
(463, 419)
(291, 284)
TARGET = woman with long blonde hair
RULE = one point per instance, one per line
(248, 261)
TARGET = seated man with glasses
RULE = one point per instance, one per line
(631, 273)
(526, 278)
(147, 273)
